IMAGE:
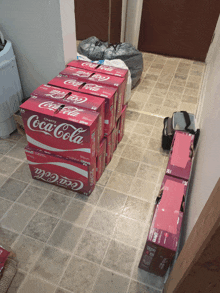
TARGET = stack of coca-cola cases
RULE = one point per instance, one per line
(74, 123)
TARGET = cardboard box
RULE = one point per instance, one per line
(108, 93)
(100, 166)
(77, 99)
(19, 122)
(110, 70)
(122, 124)
(61, 129)
(181, 154)
(163, 237)
(109, 152)
(100, 78)
(61, 171)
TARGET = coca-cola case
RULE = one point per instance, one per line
(60, 129)
(163, 237)
(108, 93)
(100, 78)
(98, 68)
(77, 99)
(181, 155)
(109, 152)
(122, 124)
(100, 166)
(60, 171)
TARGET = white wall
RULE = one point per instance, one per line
(206, 171)
(133, 21)
(39, 38)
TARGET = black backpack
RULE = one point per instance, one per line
(169, 129)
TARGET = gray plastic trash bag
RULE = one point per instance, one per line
(95, 50)
(92, 48)
(131, 56)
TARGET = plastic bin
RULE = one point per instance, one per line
(10, 90)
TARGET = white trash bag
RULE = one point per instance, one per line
(116, 63)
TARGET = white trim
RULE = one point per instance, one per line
(214, 42)
(123, 19)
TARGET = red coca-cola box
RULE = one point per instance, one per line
(60, 171)
(114, 139)
(109, 152)
(122, 124)
(100, 166)
(163, 237)
(100, 78)
(181, 155)
(77, 99)
(61, 129)
(108, 93)
(3, 257)
(111, 70)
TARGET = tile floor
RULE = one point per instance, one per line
(66, 242)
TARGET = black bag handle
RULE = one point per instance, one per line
(187, 119)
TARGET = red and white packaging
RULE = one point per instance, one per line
(109, 152)
(3, 257)
(181, 155)
(122, 124)
(61, 171)
(163, 237)
(60, 129)
(77, 99)
(108, 93)
(111, 70)
(100, 166)
(116, 82)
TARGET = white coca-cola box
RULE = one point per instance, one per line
(60, 171)
(77, 99)
(108, 93)
(61, 129)
(100, 78)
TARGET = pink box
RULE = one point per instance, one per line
(122, 124)
(111, 70)
(163, 237)
(100, 78)
(108, 93)
(61, 171)
(181, 154)
(61, 129)
(100, 166)
(80, 100)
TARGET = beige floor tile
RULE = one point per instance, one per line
(152, 108)
(148, 173)
(155, 144)
(171, 103)
(190, 99)
(155, 100)
(152, 77)
(93, 197)
(147, 119)
(136, 105)
(138, 140)
(126, 166)
(166, 76)
(35, 285)
(173, 96)
(194, 78)
(191, 92)
(112, 200)
(120, 182)
(176, 89)
(167, 111)
(136, 208)
(16, 282)
(105, 177)
(4, 206)
(7, 237)
(148, 82)
(136, 287)
(120, 257)
(129, 231)
(79, 276)
(143, 129)
(144, 89)
(8, 165)
(153, 158)
(156, 133)
(189, 107)
(110, 282)
(143, 189)
(132, 115)
(113, 163)
(140, 97)
(12, 189)
(159, 122)
(133, 153)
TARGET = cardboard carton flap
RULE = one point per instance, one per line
(169, 206)
(181, 150)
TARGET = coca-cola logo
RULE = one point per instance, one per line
(63, 131)
(99, 77)
(72, 82)
(67, 110)
(77, 99)
(55, 178)
(92, 87)
(80, 73)
(56, 94)
(91, 65)
(106, 68)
